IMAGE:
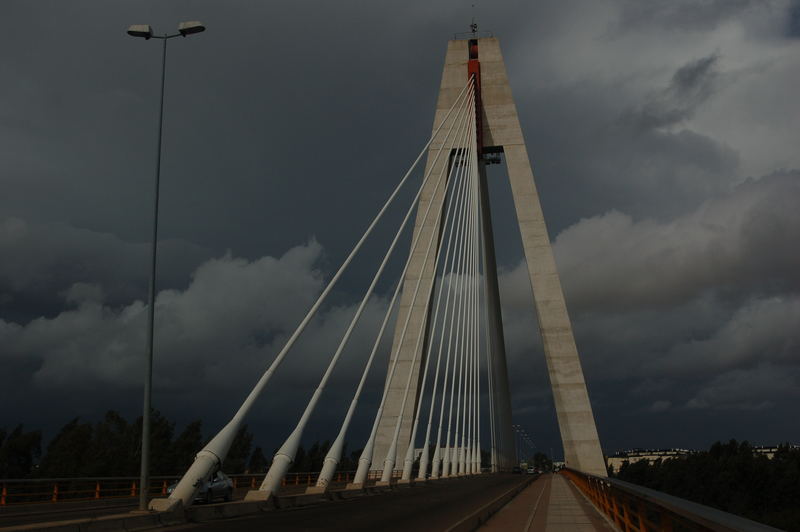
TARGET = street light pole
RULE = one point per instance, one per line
(144, 475)
(184, 29)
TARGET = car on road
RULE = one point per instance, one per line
(219, 487)
(532, 471)
(516, 469)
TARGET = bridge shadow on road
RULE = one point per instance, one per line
(439, 505)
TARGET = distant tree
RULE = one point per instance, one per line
(114, 448)
(19, 451)
(70, 452)
(236, 461)
(343, 459)
(317, 455)
(542, 462)
(732, 478)
(300, 460)
(258, 462)
(312, 457)
(161, 432)
(349, 462)
(186, 446)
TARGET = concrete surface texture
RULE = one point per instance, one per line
(550, 504)
(420, 270)
(426, 506)
(454, 77)
(501, 129)
(404, 344)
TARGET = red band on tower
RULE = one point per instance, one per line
(474, 69)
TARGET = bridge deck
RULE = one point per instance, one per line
(435, 506)
(551, 504)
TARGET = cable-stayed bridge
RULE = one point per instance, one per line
(448, 343)
(446, 389)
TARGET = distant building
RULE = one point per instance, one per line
(770, 450)
(651, 455)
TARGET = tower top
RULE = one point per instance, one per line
(473, 32)
(474, 26)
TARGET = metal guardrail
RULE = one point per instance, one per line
(55, 490)
(636, 509)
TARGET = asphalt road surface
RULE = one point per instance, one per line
(435, 506)
(24, 514)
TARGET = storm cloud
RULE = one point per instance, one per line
(663, 136)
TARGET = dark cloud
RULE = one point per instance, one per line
(748, 390)
(793, 20)
(42, 261)
(676, 316)
(232, 310)
(685, 15)
(287, 125)
(733, 244)
(691, 85)
(644, 158)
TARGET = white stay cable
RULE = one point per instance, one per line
(461, 409)
(454, 232)
(489, 384)
(476, 439)
(475, 459)
(456, 267)
(489, 355)
(458, 367)
(489, 380)
(365, 459)
(464, 399)
(476, 442)
(474, 412)
(470, 396)
(453, 332)
(391, 455)
(285, 455)
(292, 339)
(490, 393)
(467, 351)
(334, 454)
(482, 273)
(212, 455)
(459, 172)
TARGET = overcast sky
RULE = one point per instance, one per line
(664, 140)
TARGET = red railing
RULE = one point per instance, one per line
(55, 490)
(633, 508)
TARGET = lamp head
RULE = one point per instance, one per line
(188, 28)
(140, 30)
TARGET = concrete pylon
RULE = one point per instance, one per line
(504, 433)
(418, 268)
(501, 133)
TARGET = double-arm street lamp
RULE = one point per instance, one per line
(146, 32)
(523, 437)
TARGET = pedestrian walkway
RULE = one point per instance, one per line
(550, 504)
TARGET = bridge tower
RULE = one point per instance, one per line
(498, 131)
